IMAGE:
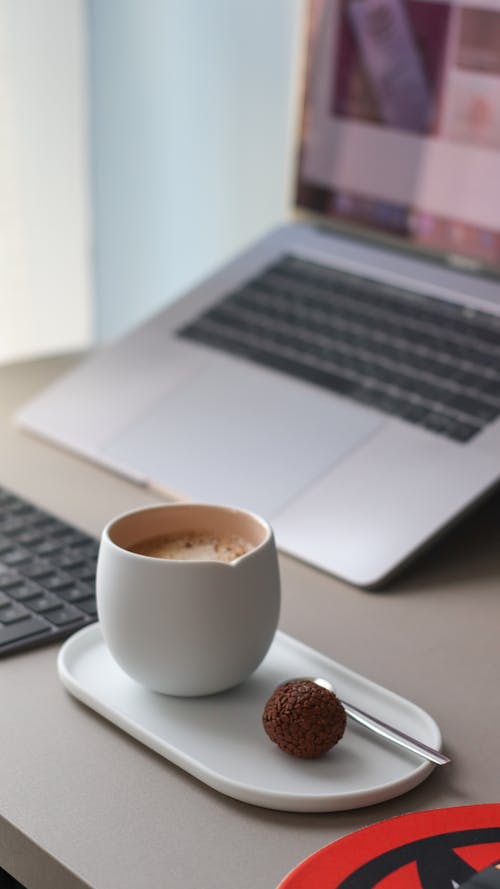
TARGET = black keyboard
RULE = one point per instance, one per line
(426, 360)
(47, 576)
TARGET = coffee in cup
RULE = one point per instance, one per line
(194, 546)
(199, 619)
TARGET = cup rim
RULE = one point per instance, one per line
(258, 519)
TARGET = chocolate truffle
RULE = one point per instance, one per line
(303, 718)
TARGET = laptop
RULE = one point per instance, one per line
(341, 376)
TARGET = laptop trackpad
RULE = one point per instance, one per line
(241, 436)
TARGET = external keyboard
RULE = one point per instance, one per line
(47, 576)
(426, 360)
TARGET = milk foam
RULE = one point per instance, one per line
(193, 546)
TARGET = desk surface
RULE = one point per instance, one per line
(84, 805)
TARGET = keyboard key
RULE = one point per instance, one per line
(44, 602)
(29, 537)
(65, 614)
(9, 577)
(11, 526)
(46, 547)
(5, 546)
(55, 581)
(88, 605)
(441, 423)
(74, 592)
(15, 556)
(13, 612)
(82, 572)
(88, 576)
(46, 523)
(32, 626)
(86, 549)
(473, 407)
(36, 568)
(20, 507)
(24, 589)
(68, 561)
(70, 536)
(415, 413)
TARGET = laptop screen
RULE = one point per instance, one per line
(401, 125)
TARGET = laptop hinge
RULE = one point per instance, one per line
(464, 263)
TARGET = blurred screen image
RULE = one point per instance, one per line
(401, 127)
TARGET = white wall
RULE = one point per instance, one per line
(191, 120)
(162, 126)
(45, 262)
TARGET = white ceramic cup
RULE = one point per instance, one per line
(187, 627)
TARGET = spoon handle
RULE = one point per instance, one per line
(393, 734)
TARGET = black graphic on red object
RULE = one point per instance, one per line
(437, 860)
(437, 849)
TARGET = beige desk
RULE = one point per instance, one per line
(84, 805)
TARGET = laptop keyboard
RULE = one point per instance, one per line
(47, 576)
(420, 358)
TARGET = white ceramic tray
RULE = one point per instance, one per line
(220, 739)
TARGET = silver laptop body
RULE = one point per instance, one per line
(360, 440)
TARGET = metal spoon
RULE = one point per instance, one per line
(382, 728)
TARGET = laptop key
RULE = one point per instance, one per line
(473, 407)
(415, 413)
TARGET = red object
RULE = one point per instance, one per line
(421, 850)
